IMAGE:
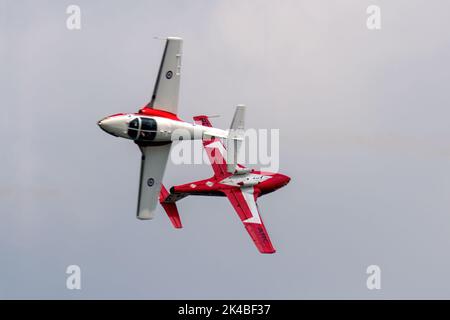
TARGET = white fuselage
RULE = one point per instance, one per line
(157, 129)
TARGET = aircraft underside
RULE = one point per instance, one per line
(155, 126)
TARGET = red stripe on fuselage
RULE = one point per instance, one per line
(158, 113)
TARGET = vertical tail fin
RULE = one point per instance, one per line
(235, 138)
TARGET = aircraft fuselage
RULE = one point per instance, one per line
(151, 125)
(262, 182)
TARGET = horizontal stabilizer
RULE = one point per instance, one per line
(203, 120)
(170, 208)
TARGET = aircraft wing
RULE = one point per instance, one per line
(217, 154)
(153, 165)
(167, 85)
(243, 201)
(215, 149)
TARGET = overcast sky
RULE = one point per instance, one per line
(364, 132)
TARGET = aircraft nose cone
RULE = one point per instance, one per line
(105, 125)
(114, 125)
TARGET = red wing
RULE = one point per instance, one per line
(217, 154)
(243, 201)
(214, 149)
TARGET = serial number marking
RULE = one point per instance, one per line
(232, 309)
(226, 309)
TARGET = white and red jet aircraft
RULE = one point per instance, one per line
(154, 127)
(242, 188)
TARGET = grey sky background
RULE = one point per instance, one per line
(364, 123)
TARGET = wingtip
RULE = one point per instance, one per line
(176, 222)
(175, 38)
(168, 38)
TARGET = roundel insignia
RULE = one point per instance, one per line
(169, 74)
(150, 182)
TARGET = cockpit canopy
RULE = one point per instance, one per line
(142, 129)
(133, 128)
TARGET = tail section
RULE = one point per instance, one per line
(222, 161)
(170, 208)
(235, 138)
(238, 122)
(203, 120)
(214, 148)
